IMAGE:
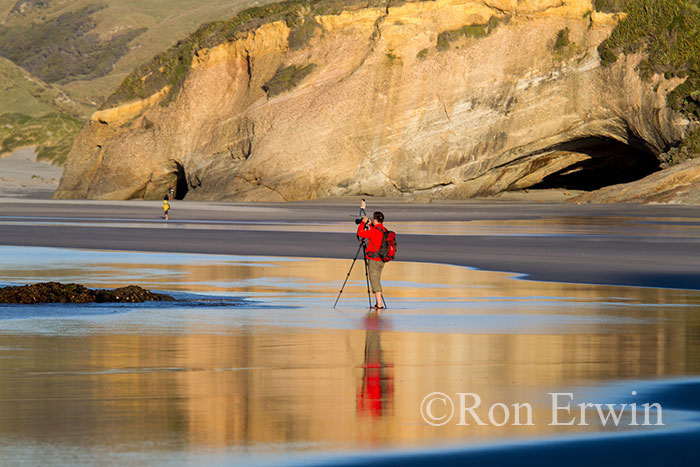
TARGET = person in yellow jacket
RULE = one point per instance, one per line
(166, 208)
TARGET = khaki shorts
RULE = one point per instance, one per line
(375, 274)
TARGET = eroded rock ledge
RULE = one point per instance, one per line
(55, 292)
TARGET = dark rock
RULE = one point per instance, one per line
(131, 294)
(54, 292)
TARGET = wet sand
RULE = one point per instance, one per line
(635, 245)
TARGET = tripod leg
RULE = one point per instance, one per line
(364, 251)
(348, 276)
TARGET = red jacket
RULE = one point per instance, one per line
(375, 234)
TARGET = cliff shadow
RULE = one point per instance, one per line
(181, 187)
(609, 162)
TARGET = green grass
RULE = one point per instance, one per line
(33, 113)
(51, 134)
(473, 30)
(668, 33)
(303, 26)
(562, 41)
(287, 78)
(172, 66)
(445, 38)
(20, 93)
(64, 49)
(563, 45)
(609, 6)
(496, 21)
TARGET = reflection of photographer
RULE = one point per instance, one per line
(374, 233)
(375, 396)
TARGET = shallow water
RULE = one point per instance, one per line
(253, 362)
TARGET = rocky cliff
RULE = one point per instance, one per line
(433, 99)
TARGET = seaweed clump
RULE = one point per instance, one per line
(55, 292)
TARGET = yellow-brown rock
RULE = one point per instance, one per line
(125, 112)
(385, 111)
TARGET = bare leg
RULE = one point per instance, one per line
(380, 300)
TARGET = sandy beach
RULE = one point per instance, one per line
(22, 176)
(611, 244)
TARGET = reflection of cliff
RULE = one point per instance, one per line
(375, 395)
(247, 380)
(247, 385)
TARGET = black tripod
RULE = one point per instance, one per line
(363, 248)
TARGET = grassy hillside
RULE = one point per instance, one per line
(20, 92)
(52, 134)
(65, 49)
(130, 32)
(35, 113)
(84, 49)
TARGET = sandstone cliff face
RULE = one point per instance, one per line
(388, 109)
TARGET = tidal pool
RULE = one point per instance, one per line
(254, 365)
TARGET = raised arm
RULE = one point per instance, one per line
(361, 232)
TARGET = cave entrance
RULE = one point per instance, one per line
(181, 187)
(607, 162)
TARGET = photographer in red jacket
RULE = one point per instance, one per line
(374, 234)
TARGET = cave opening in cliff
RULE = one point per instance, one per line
(181, 187)
(605, 162)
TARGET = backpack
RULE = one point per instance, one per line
(387, 250)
